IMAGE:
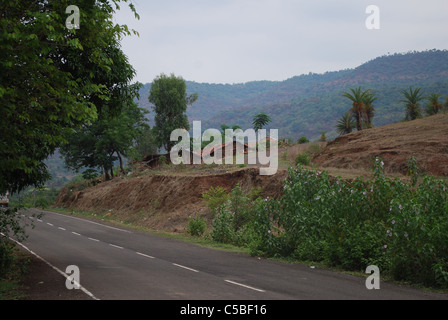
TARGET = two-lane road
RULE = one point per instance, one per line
(117, 263)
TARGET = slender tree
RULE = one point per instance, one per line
(169, 98)
(357, 96)
(369, 109)
(434, 106)
(412, 102)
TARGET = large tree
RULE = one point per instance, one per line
(169, 99)
(48, 80)
(109, 139)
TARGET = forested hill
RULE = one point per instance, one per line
(312, 103)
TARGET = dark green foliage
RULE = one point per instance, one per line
(48, 82)
(303, 140)
(303, 159)
(108, 139)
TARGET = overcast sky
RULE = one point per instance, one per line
(235, 41)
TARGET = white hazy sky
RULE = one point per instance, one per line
(235, 41)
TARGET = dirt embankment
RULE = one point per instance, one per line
(426, 139)
(163, 202)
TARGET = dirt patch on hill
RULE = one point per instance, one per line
(163, 202)
(426, 139)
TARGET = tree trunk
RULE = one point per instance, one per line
(107, 174)
(121, 163)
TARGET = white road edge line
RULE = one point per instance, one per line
(84, 220)
(144, 255)
(243, 285)
(87, 292)
(184, 267)
(115, 246)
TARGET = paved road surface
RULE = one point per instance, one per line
(123, 264)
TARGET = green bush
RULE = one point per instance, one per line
(223, 231)
(303, 140)
(303, 159)
(197, 226)
(232, 223)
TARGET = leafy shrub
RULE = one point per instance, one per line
(303, 140)
(215, 198)
(232, 223)
(303, 159)
(223, 227)
(197, 226)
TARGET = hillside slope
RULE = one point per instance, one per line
(163, 201)
(426, 139)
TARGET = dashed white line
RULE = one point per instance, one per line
(76, 234)
(60, 228)
(115, 246)
(96, 240)
(39, 220)
(245, 286)
(184, 267)
(51, 225)
(144, 255)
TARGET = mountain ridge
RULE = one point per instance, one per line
(311, 103)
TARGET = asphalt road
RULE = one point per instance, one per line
(121, 264)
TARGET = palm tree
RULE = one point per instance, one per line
(412, 100)
(357, 96)
(369, 109)
(346, 124)
(260, 120)
(434, 106)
